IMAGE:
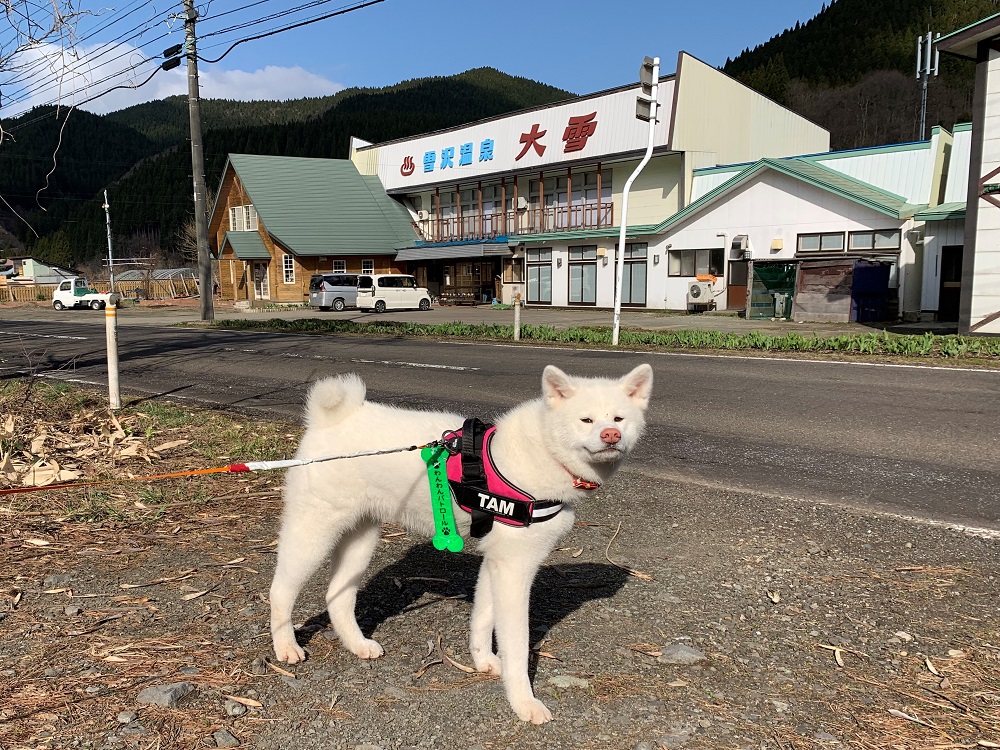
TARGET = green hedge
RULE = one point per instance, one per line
(925, 345)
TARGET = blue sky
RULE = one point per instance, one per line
(581, 46)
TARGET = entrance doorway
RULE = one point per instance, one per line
(736, 294)
(951, 282)
(261, 287)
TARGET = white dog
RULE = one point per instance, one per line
(554, 449)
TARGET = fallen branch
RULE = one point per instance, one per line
(637, 573)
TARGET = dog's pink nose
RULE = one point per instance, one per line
(611, 436)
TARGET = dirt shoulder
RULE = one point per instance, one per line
(809, 626)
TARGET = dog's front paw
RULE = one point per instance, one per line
(287, 651)
(368, 649)
(488, 663)
(532, 710)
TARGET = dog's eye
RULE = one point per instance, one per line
(587, 420)
(619, 419)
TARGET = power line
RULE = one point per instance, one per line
(133, 68)
(54, 81)
(293, 26)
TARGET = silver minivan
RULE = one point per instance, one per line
(336, 290)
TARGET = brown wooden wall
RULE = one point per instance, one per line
(236, 276)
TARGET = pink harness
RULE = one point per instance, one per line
(479, 488)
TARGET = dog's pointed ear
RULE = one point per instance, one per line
(556, 385)
(638, 385)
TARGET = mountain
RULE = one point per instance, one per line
(851, 68)
(149, 179)
(165, 121)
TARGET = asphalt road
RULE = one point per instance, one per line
(912, 441)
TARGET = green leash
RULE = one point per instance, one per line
(446, 535)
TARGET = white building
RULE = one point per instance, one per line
(979, 310)
(530, 202)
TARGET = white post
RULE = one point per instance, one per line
(517, 317)
(620, 265)
(111, 261)
(111, 328)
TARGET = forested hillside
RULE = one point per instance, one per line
(165, 121)
(852, 68)
(149, 181)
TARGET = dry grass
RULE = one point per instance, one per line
(105, 590)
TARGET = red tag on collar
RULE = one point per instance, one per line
(583, 484)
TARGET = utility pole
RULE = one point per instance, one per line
(111, 260)
(927, 66)
(645, 109)
(198, 166)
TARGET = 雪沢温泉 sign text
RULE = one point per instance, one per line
(578, 130)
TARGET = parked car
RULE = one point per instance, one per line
(391, 291)
(336, 290)
(76, 292)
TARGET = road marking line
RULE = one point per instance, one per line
(392, 363)
(22, 334)
(412, 364)
(729, 356)
(977, 531)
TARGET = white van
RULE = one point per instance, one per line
(391, 291)
(336, 290)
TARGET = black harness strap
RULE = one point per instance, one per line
(473, 474)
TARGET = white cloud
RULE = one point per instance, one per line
(74, 77)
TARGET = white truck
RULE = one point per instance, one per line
(76, 292)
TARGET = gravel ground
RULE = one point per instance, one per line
(810, 626)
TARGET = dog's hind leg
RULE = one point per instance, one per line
(350, 562)
(303, 543)
(510, 580)
(481, 626)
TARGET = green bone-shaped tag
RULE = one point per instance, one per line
(446, 535)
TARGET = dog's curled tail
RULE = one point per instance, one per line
(330, 400)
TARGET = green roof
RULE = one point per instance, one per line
(943, 212)
(807, 171)
(322, 206)
(247, 245)
(964, 41)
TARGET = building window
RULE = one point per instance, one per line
(634, 274)
(583, 275)
(829, 242)
(696, 262)
(539, 267)
(368, 265)
(243, 219)
(340, 266)
(288, 268)
(513, 271)
(885, 240)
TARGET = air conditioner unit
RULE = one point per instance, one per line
(700, 293)
(738, 247)
(423, 215)
(522, 203)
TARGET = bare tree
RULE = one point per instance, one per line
(35, 24)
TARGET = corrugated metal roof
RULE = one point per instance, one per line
(943, 212)
(903, 169)
(808, 171)
(706, 181)
(587, 234)
(322, 206)
(247, 245)
(964, 41)
(468, 250)
(957, 186)
(156, 274)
